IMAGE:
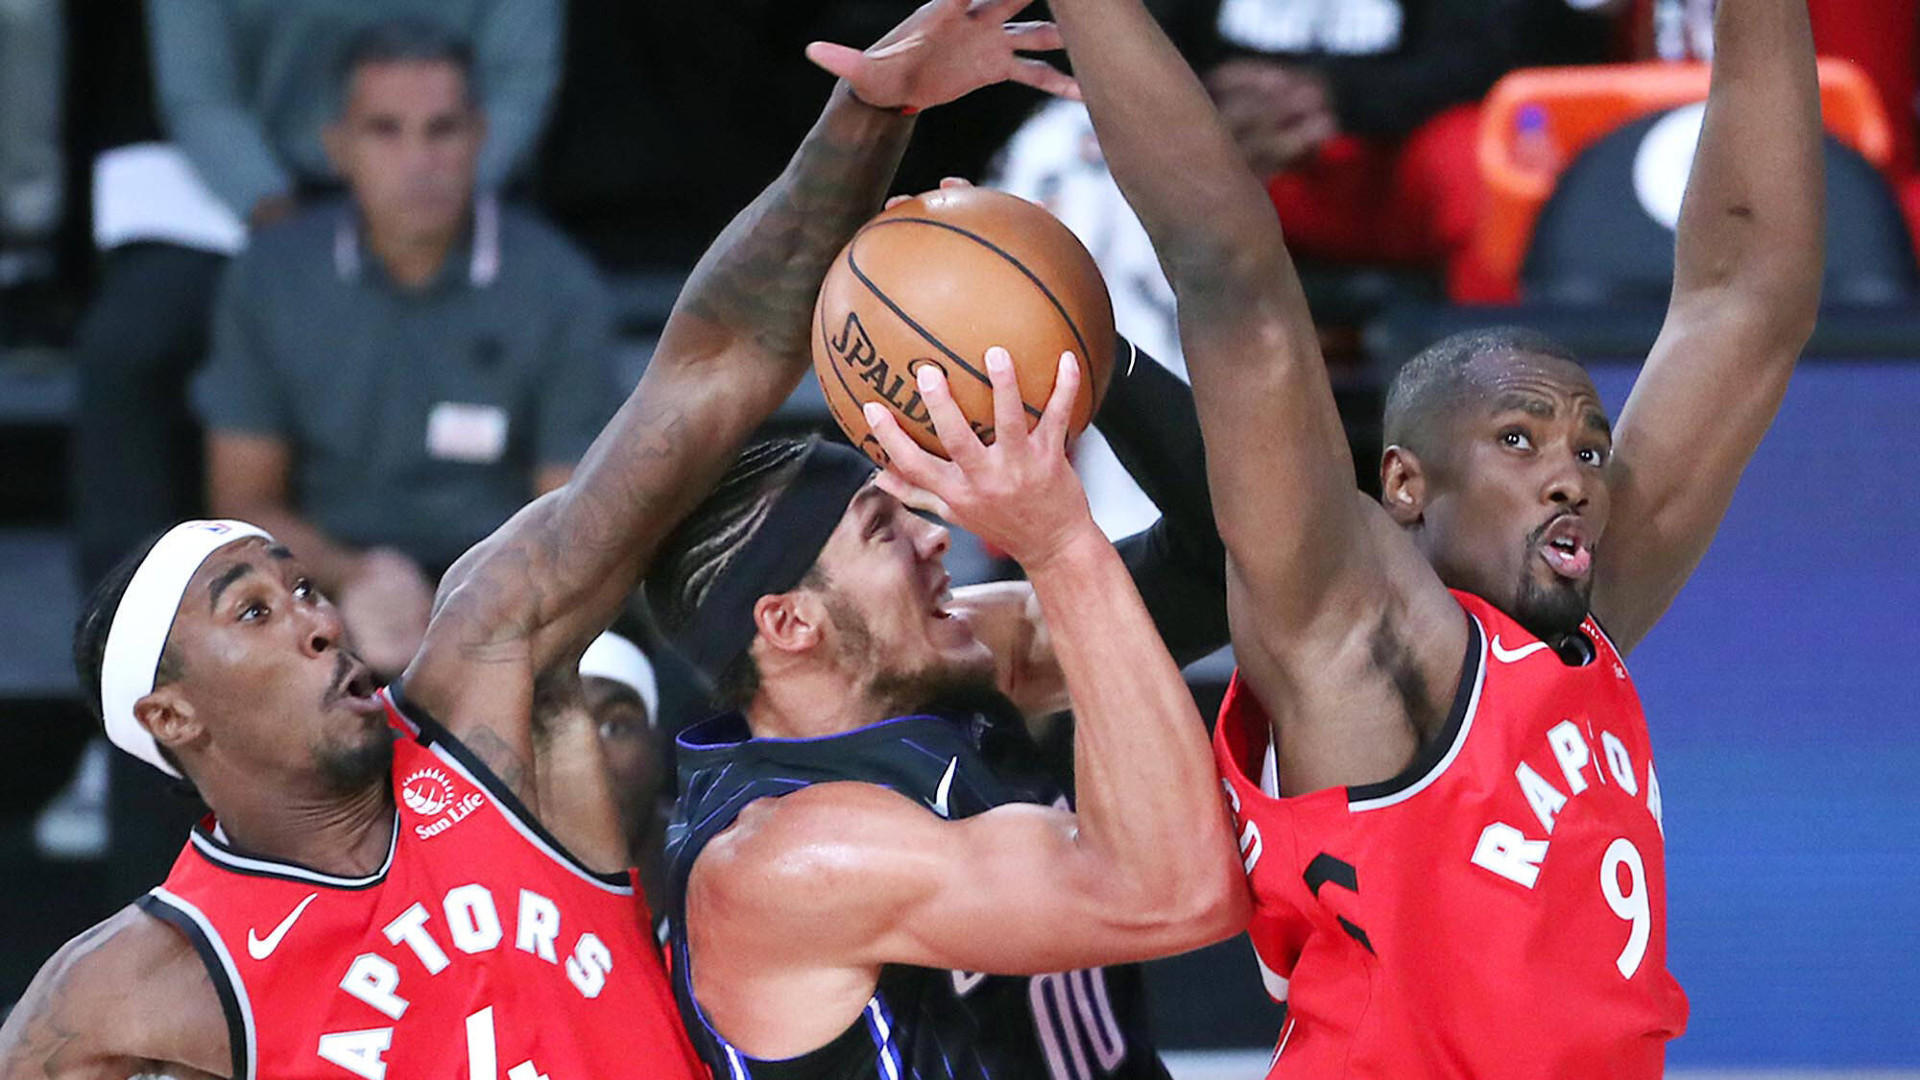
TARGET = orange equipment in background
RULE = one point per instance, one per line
(1536, 120)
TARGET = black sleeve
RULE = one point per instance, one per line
(1454, 51)
(1178, 564)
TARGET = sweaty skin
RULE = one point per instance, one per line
(515, 613)
(1341, 620)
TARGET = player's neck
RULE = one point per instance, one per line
(811, 705)
(344, 835)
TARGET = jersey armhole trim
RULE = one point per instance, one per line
(449, 748)
(1433, 759)
(198, 930)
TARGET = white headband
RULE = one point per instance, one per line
(142, 621)
(614, 657)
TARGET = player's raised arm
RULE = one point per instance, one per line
(1282, 473)
(527, 599)
(1341, 628)
(1145, 865)
(1746, 291)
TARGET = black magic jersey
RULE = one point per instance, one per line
(921, 1023)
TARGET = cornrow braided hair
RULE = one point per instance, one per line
(695, 555)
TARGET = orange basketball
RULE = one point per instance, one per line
(938, 280)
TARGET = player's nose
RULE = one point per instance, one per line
(934, 540)
(1569, 483)
(322, 629)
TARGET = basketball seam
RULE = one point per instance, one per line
(1078, 338)
(853, 264)
(922, 331)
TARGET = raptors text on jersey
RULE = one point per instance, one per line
(1498, 909)
(481, 949)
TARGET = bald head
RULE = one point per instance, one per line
(1429, 390)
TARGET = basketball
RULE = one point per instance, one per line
(941, 278)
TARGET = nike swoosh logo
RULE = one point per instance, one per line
(1508, 656)
(261, 949)
(939, 802)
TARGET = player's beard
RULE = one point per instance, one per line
(358, 764)
(899, 690)
(1550, 612)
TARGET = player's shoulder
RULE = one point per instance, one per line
(840, 815)
(819, 841)
(128, 948)
(130, 987)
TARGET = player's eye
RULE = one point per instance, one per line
(1594, 455)
(304, 590)
(1516, 439)
(254, 611)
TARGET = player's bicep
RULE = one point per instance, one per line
(854, 875)
(48, 1033)
(1278, 463)
(1009, 892)
(1697, 412)
(113, 1003)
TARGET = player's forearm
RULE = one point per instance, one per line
(1210, 221)
(1151, 819)
(756, 285)
(733, 349)
(1751, 227)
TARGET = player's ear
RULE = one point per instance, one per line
(169, 717)
(1403, 485)
(790, 622)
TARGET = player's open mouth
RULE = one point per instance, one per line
(941, 608)
(1565, 550)
(356, 688)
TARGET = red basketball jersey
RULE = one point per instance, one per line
(1498, 909)
(480, 950)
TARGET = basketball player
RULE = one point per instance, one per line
(1450, 813)
(870, 875)
(361, 905)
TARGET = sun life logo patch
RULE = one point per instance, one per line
(427, 792)
(430, 793)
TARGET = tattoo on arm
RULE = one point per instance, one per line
(737, 341)
(41, 1038)
(748, 302)
(512, 770)
(761, 276)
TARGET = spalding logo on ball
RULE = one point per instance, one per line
(941, 278)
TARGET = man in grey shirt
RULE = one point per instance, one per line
(393, 377)
(247, 87)
(244, 89)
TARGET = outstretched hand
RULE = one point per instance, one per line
(1019, 494)
(945, 50)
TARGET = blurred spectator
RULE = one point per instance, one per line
(393, 376)
(1364, 113)
(32, 80)
(244, 89)
(623, 696)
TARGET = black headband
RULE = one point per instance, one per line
(776, 557)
